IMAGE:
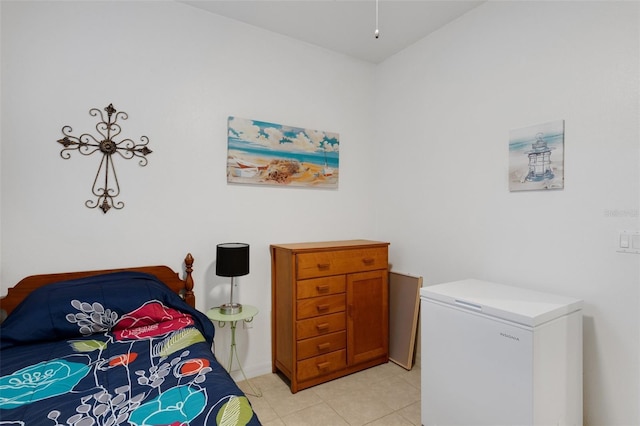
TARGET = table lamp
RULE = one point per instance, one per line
(232, 260)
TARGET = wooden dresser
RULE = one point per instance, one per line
(330, 309)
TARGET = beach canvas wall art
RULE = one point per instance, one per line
(274, 154)
(536, 157)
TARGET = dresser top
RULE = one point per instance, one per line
(320, 245)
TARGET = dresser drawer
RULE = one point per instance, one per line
(321, 365)
(307, 308)
(320, 286)
(321, 345)
(319, 326)
(326, 263)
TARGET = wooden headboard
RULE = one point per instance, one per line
(183, 287)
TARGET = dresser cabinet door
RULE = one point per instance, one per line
(367, 316)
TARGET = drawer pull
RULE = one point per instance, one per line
(323, 327)
(322, 288)
(368, 260)
(322, 308)
(323, 265)
(324, 346)
(324, 365)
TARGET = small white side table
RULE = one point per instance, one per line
(247, 314)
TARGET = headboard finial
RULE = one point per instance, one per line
(189, 297)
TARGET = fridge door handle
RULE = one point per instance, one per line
(468, 305)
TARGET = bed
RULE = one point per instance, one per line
(113, 347)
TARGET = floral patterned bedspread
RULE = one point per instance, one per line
(118, 349)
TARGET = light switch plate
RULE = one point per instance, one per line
(628, 242)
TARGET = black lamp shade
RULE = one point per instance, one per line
(232, 259)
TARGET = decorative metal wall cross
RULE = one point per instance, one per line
(87, 144)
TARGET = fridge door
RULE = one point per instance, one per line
(476, 369)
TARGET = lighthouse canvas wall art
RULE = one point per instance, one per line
(274, 154)
(536, 157)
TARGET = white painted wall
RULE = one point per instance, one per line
(446, 106)
(179, 73)
(0, 157)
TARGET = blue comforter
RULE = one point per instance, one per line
(115, 349)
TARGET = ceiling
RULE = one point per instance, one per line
(345, 26)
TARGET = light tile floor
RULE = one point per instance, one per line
(385, 395)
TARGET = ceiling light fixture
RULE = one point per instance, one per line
(376, 33)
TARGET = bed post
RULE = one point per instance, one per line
(188, 281)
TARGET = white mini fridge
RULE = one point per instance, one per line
(499, 355)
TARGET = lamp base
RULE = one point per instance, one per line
(230, 308)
